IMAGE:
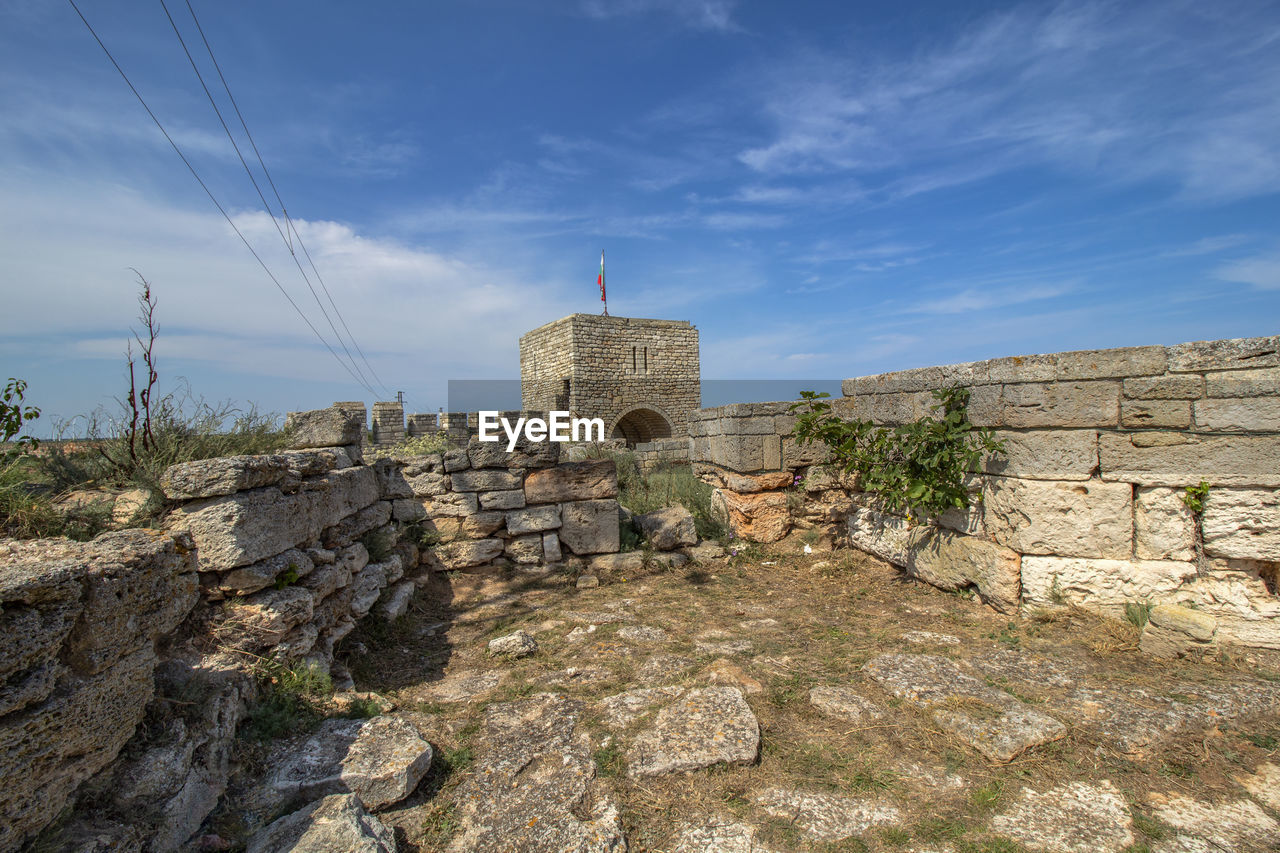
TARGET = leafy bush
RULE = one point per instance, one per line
(423, 445)
(289, 701)
(912, 469)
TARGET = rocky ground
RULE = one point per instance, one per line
(789, 702)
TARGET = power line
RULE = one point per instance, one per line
(289, 225)
(254, 181)
(213, 199)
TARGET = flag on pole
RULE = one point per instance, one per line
(600, 281)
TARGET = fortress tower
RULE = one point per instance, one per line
(641, 376)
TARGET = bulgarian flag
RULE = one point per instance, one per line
(600, 280)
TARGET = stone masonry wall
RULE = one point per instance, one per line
(1084, 507)
(614, 366)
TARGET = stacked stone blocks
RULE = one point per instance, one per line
(1085, 504)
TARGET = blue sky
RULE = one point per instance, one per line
(825, 189)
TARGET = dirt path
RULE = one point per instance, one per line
(823, 702)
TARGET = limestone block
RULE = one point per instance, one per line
(1022, 368)
(1248, 414)
(240, 529)
(1146, 414)
(263, 573)
(1056, 454)
(1242, 523)
(394, 602)
(1261, 382)
(1173, 631)
(366, 587)
(48, 750)
(391, 479)
(527, 454)
(263, 619)
(454, 504)
(519, 644)
(1084, 519)
(1164, 388)
(336, 822)
(353, 527)
(1224, 354)
(226, 475)
(1111, 363)
(429, 484)
(331, 427)
(590, 527)
(485, 480)
(1105, 585)
(953, 561)
(572, 481)
(761, 517)
(1060, 404)
(39, 604)
(456, 460)
(526, 550)
(326, 579)
(986, 405)
(510, 499)
(1181, 459)
(380, 760)
(551, 547)
(407, 510)
(1248, 613)
(669, 528)
(943, 558)
(468, 553)
(483, 524)
(1164, 528)
(533, 519)
(794, 454)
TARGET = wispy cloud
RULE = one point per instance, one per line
(1261, 271)
(697, 14)
(983, 298)
(1108, 88)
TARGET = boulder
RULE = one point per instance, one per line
(669, 528)
(590, 527)
(517, 645)
(331, 427)
(379, 760)
(336, 822)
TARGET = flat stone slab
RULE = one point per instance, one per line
(462, 686)
(662, 668)
(1232, 825)
(622, 709)
(1264, 785)
(990, 720)
(1072, 818)
(532, 787)
(827, 817)
(598, 618)
(724, 647)
(642, 634)
(337, 822)
(929, 638)
(380, 760)
(844, 703)
(717, 835)
(701, 727)
(576, 675)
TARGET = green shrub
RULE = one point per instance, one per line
(289, 701)
(423, 445)
(670, 484)
(915, 468)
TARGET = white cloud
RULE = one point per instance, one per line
(1260, 271)
(697, 14)
(1122, 90)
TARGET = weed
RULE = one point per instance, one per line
(289, 701)
(1267, 742)
(938, 829)
(288, 577)
(363, 709)
(422, 445)
(379, 543)
(1136, 613)
(988, 796)
(608, 760)
(1195, 496)
(1149, 826)
(993, 845)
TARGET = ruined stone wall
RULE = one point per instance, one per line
(614, 365)
(1083, 507)
(482, 506)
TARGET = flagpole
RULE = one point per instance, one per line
(603, 297)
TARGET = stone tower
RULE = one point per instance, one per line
(641, 376)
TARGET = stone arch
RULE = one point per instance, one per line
(641, 424)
